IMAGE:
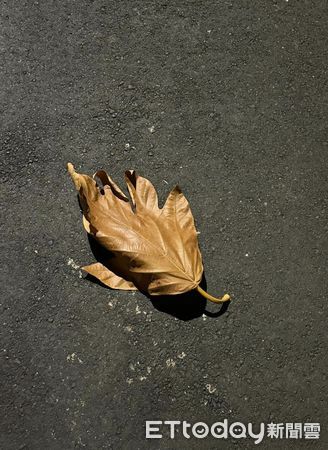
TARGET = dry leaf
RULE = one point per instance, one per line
(151, 249)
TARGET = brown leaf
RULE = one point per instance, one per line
(152, 249)
(108, 277)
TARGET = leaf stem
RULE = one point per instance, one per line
(223, 299)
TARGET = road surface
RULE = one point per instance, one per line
(225, 98)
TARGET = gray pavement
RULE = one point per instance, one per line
(228, 99)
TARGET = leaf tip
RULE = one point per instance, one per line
(178, 189)
(70, 168)
(74, 175)
(131, 174)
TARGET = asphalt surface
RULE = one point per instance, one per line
(228, 99)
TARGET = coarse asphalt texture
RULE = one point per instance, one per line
(226, 99)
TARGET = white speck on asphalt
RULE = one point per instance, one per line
(71, 263)
(152, 129)
(181, 355)
(73, 357)
(211, 389)
(170, 362)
